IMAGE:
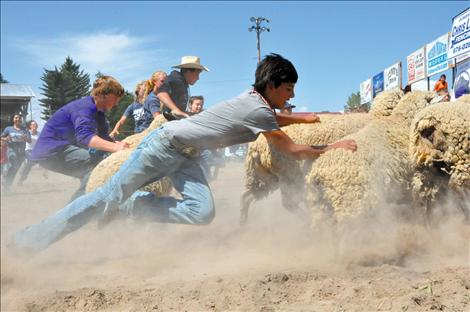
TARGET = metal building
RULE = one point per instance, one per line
(14, 98)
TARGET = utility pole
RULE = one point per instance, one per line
(259, 29)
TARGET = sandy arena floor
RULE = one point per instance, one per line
(274, 264)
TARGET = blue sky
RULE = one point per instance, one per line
(334, 45)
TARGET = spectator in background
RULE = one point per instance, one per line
(4, 155)
(441, 84)
(16, 136)
(211, 157)
(136, 109)
(174, 93)
(151, 103)
(196, 104)
(32, 127)
(64, 143)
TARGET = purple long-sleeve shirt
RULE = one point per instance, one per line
(73, 124)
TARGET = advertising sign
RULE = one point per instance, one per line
(421, 85)
(366, 91)
(392, 77)
(436, 55)
(377, 84)
(416, 65)
(462, 79)
(460, 34)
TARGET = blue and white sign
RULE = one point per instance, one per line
(377, 84)
(462, 79)
(366, 91)
(460, 34)
(436, 55)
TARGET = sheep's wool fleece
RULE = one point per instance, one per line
(343, 184)
(265, 166)
(385, 102)
(110, 165)
(441, 133)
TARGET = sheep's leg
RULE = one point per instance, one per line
(246, 200)
(461, 202)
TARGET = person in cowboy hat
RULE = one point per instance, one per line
(174, 93)
(173, 150)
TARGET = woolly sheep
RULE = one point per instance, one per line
(342, 185)
(111, 164)
(440, 150)
(267, 169)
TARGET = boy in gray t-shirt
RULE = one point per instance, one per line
(173, 151)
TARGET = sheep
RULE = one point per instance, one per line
(440, 151)
(342, 185)
(266, 169)
(111, 164)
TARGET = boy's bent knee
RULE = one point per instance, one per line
(205, 215)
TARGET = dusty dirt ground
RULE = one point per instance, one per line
(275, 263)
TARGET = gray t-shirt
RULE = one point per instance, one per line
(235, 121)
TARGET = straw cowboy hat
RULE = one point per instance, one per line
(191, 62)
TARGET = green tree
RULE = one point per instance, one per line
(353, 104)
(116, 113)
(63, 85)
(2, 80)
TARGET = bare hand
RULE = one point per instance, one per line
(311, 118)
(346, 144)
(120, 145)
(179, 114)
(113, 133)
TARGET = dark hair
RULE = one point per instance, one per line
(28, 124)
(443, 76)
(407, 89)
(274, 69)
(13, 116)
(195, 97)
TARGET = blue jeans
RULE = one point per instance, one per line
(74, 161)
(153, 159)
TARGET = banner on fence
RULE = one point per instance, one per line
(365, 89)
(436, 55)
(460, 34)
(416, 65)
(377, 84)
(392, 77)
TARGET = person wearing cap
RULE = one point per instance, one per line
(174, 93)
(173, 150)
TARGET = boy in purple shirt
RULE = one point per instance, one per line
(64, 143)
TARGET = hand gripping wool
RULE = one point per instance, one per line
(342, 185)
(268, 169)
(111, 164)
(440, 150)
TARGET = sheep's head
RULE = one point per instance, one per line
(440, 141)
